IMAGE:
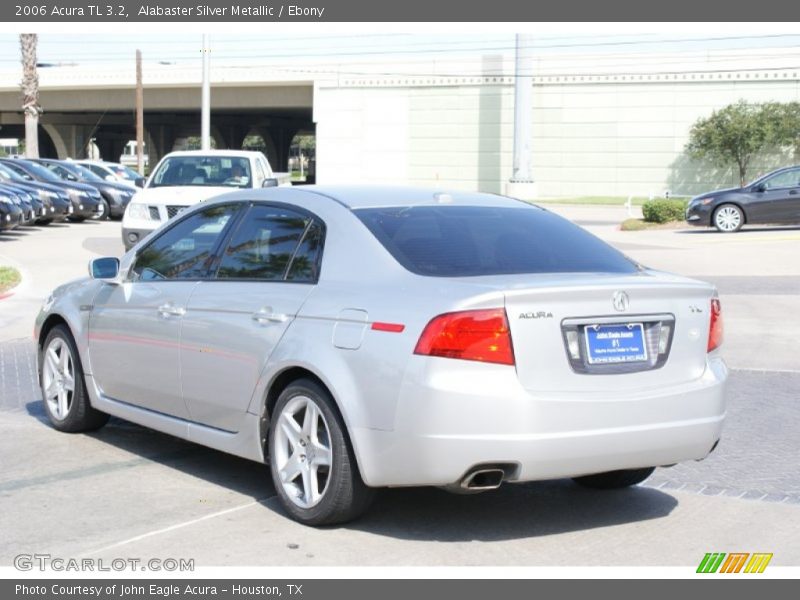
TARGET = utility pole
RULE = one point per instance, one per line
(139, 115)
(205, 110)
(521, 184)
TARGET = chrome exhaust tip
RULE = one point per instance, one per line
(481, 480)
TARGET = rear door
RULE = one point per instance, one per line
(235, 320)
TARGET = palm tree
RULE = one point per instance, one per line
(30, 93)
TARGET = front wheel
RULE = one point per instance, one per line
(312, 464)
(615, 479)
(66, 400)
(103, 210)
(728, 218)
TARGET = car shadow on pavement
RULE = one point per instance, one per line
(514, 511)
(14, 234)
(218, 468)
(742, 232)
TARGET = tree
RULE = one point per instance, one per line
(30, 93)
(740, 131)
(784, 122)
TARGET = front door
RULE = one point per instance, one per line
(779, 202)
(134, 327)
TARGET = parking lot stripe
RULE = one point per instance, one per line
(149, 534)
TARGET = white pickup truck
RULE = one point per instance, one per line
(182, 179)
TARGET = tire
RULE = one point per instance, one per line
(106, 210)
(76, 219)
(728, 218)
(44, 222)
(341, 494)
(615, 479)
(67, 409)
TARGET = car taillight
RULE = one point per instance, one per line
(481, 335)
(715, 328)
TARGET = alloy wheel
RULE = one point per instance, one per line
(302, 452)
(58, 381)
(728, 218)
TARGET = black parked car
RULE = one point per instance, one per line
(10, 213)
(24, 201)
(56, 201)
(115, 195)
(86, 200)
(773, 198)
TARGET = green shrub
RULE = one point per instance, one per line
(663, 210)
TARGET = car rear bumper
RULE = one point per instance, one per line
(442, 435)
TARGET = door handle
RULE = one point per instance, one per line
(170, 310)
(265, 315)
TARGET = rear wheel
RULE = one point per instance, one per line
(312, 464)
(728, 218)
(66, 400)
(615, 479)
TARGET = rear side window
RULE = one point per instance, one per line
(269, 244)
(463, 241)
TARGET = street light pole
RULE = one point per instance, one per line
(521, 183)
(205, 110)
(139, 115)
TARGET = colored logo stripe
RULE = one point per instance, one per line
(715, 561)
(734, 562)
(711, 562)
(758, 562)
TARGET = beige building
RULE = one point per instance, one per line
(611, 124)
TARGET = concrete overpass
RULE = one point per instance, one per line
(83, 103)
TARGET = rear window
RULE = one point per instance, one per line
(462, 241)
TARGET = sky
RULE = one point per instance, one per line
(250, 47)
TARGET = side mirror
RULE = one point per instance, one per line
(104, 268)
(140, 181)
(761, 187)
(271, 182)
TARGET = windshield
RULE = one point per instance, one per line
(39, 172)
(7, 173)
(85, 174)
(463, 241)
(124, 172)
(229, 171)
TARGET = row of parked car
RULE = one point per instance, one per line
(41, 191)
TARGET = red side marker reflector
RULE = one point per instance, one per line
(390, 327)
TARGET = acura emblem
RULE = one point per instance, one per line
(620, 301)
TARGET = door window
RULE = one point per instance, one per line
(185, 250)
(267, 245)
(787, 179)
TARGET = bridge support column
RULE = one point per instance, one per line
(280, 139)
(160, 141)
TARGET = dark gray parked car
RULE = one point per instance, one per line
(773, 198)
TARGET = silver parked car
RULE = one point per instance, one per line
(358, 338)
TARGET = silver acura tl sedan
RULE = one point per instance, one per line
(366, 337)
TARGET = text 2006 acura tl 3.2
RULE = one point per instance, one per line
(358, 338)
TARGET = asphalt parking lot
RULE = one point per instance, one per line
(125, 491)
